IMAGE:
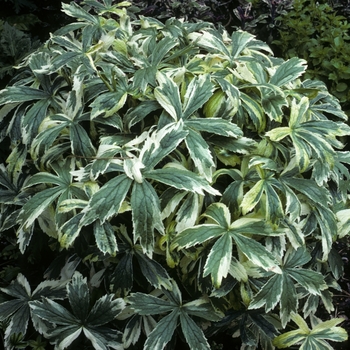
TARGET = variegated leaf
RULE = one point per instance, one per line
(219, 260)
(288, 71)
(146, 215)
(181, 179)
(160, 143)
(197, 93)
(168, 96)
(193, 333)
(107, 201)
(200, 154)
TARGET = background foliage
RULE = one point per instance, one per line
(166, 182)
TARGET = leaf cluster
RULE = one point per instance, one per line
(15, 45)
(316, 32)
(179, 180)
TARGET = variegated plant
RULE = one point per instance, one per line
(187, 171)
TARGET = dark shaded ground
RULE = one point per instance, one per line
(342, 299)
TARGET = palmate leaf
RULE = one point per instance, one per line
(37, 204)
(281, 287)
(312, 339)
(108, 103)
(144, 304)
(240, 39)
(227, 234)
(163, 332)
(218, 265)
(311, 138)
(17, 310)
(193, 334)
(67, 326)
(75, 11)
(154, 272)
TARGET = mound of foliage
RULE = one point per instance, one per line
(167, 183)
(317, 31)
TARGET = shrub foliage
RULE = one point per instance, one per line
(169, 182)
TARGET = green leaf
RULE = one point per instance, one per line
(105, 238)
(188, 212)
(79, 296)
(160, 143)
(145, 304)
(139, 112)
(80, 141)
(163, 332)
(219, 260)
(254, 110)
(36, 205)
(220, 213)
(105, 310)
(252, 197)
(168, 96)
(255, 251)
(181, 179)
(202, 308)
(154, 272)
(209, 41)
(75, 11)
(193, 334)
(70, 230)
(328, 330)
(240, 39)
(49, 310)
(16, 94)
(196, 235)
(216, 126)
(273, 100)
(33, 118)
(288, 71)
(198, 91)
(121, 281)
(146, 215)
(312, 281)
(108, 103)
(289, 300)
(269, 295)
(106, 202)
(161, 49)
